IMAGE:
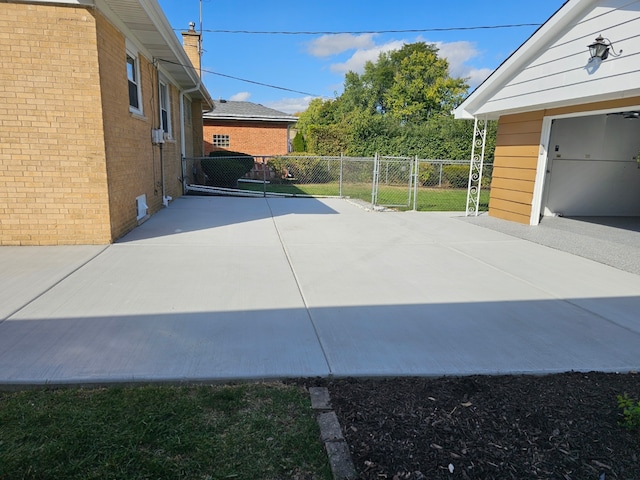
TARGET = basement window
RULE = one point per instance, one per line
(221, 140)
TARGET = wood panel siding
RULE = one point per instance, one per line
(528, 174)
(515, 164)
(516, 156)
(590, 107)
(512, 196)
(516, 151)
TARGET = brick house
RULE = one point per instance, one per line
(248, 128)
(83, 86)
(568, 141)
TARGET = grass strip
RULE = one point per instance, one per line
(429, 199)
(249, 431)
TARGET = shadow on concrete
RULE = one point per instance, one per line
(627, 224)
(192, 213)
(535, 336)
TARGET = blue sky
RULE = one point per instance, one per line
(316, 64)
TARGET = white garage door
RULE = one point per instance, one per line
(593, 167)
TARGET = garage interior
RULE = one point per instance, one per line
(593, 166)
(591, 197)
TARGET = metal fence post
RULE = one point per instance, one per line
(376, 180)
(440, 177)
(416, 179)
(341, 165)
(184, 175)
(264, 177)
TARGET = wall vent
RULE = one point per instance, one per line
(141, 206)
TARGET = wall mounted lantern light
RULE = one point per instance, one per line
(600, 49)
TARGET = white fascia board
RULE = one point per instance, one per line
(83, 3)
(160, 21)
(154, 10)
(161, 24)
(521, 57)
(249, 117)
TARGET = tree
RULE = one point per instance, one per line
(298, 143)
(400, 105)
(422, 87)
(412, 82)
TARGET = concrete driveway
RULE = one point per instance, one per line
(215, 288)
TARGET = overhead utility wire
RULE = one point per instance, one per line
(243, 79)
(359, 32)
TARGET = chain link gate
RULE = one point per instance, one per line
(396, 182)
(393, 181)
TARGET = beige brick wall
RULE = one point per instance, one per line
(52, 158)
(193, 129)
(247, 137)
(73, 158)
(197, 127)
(132, 161)
(135, 166)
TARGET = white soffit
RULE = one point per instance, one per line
(145, 21)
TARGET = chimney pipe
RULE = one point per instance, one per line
(191, 41)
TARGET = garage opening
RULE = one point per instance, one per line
(593, 166)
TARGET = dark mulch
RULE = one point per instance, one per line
(564, 426)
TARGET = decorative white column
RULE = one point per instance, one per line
(475, 168)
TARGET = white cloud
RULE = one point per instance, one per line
(458, 54)
(329, 45)
(290, 105)
(477, 75)
(240, 97)
(361, 56)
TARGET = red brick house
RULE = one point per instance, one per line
(248, 128)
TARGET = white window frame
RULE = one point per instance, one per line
(133, 56)
(164, 104)
(220, 140)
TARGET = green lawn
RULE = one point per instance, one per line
(429, 199)
(265, 431)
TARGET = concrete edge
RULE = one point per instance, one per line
(335, 445)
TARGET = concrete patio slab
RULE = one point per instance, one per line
(215, 289)
(27, 273)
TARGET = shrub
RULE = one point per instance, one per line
(312, 170)
(278, 167)
(630, 411)
(299, 144)
(457, 176)
(427, 175)
(224, 168)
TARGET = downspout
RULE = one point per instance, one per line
(183, 146)
(165, 198)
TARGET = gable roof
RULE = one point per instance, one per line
(233, 110)
(552, 68)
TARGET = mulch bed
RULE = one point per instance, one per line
(564, 426)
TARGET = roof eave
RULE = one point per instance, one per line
(180, 68)
(473, 104)
(250, 117)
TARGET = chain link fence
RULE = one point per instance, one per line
(396, 182)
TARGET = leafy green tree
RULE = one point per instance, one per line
(422, 87)
(298, 143)
(400, 105)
